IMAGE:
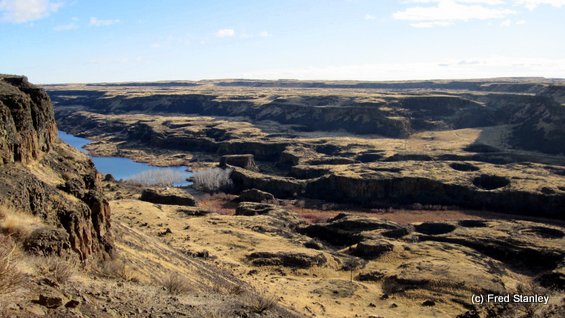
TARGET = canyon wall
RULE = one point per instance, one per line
(42, 176)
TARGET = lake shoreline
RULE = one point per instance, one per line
(123, 168)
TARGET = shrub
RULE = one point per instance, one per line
(212, 180)
(159, 177)
(56, 268)
(176, 284)
(10, 277)
(259, 303)
(113, 268)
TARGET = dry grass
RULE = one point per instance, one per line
(219, 203)
(259, 303)
(314, 218)
(10, 277)
(113, 268)
(17, 224)
(176, 284)
(58, 269)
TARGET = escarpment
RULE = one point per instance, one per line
(492, 145)
(42, 176)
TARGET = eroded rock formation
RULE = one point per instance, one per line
(42, 176)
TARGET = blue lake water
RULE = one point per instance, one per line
(124, 168)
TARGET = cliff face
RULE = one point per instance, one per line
(28, 125)
(42, 176)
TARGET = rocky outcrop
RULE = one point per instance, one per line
(345, 230)
(253, 208)
(255, 195)
(372, 249)
(280, 187)
(480, 192)
(28, 128)
(168, 196)
(245, 161)
(286, 259)
(41, 176)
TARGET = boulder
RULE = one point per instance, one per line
(286, 259)
(254, 208)
(255, 195)
(372, 249)
(168, 197)
(51, 299)
(191, 211)
(245, 161)
(47, 241)
(372, 276)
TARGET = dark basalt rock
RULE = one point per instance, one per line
(28, 134)
(245, 161)
(47, 241)
(164, 196)
(373, 276)
(28, 127)
(280, 187)
(286, 259)
(254, 208)
(255, 195)
(372, 249)
(345, 230)
(398, 233)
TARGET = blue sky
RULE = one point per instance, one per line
(65, 41)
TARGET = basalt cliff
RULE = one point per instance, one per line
(44, 177)
(478, 144)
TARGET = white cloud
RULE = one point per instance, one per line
(101, 23)
(369, 17)
(447, 12)
(21, 11)
(264, 34)
(532, 4)
(225, 33)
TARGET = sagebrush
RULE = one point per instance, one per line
(10, 277)
(176, 284)
(57, 268)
